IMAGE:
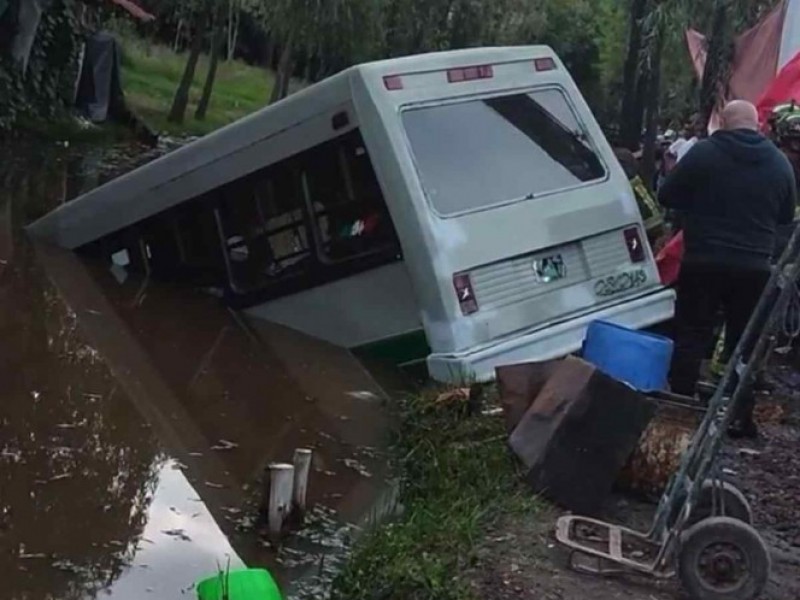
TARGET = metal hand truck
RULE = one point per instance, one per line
(702, 529)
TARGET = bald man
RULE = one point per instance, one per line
(734, 190)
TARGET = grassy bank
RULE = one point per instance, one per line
(150, 76)
(457, 478)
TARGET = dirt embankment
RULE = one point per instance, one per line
(518, 559)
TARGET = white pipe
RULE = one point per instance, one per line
(302, 468)
(281, 481)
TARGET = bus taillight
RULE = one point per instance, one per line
(470, 73)
(635, 246)
(465, 293)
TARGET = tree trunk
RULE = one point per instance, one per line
(237, 20)
(322, 67)
(286, 79)
(178, 30)
(233, 28)
(715, 76)
(269, 54)
(284, 74)
(648, 169)
(208, 88)
(181, 101)
(632, 95)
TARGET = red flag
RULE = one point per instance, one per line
(135, 10)
(785, 88)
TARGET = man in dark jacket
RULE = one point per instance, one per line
(734, 189)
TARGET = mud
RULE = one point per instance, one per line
(137, 418)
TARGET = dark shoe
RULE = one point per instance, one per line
(741, 430)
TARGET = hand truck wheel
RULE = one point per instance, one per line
(722, 558)
(730, 502)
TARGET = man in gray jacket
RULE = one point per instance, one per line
(734, 190)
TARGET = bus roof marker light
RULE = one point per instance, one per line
(470, 73)
(393, 82)
(545, 64)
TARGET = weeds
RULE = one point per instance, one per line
(456, 478)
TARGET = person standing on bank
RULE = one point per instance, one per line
(734, 189)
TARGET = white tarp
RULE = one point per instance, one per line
(790, 38)
(30, 14)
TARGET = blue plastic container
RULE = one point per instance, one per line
(638, 358)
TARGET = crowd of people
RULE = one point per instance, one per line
(726, 206)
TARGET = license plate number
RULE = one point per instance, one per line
(620, 283)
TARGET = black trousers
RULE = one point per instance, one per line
(706, 293)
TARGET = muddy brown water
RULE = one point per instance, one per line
(137, 418)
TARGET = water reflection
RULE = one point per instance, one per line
(77, 465)
(180, 533)
(120, 395)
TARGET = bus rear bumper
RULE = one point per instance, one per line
(550, 342)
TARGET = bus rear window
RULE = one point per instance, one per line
(476, 154)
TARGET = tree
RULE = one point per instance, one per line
(181, 100)
(232, 38)
(655, 34)
(719, 57)
(308, 28)
(208, 88)
(632, 110)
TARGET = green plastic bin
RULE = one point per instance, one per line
(248, 584)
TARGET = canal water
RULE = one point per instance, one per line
(138, 418)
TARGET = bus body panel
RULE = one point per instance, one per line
(352, 312)
(588, 221)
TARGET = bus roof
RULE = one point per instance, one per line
(234, 151)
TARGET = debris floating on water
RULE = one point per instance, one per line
(177, 533)
(356, 466)
(749, 452)
(224, 445)
(363, 395)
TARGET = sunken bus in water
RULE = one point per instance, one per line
(459, 207)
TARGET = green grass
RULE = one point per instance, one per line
(457, 477)
(150, 76)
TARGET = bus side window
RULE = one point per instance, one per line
(349, 213)
(264, 228)
(280, 206)
(201, 247)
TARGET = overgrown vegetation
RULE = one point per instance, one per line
(628, 56)
(456, 477)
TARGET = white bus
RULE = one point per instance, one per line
(466, 200)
